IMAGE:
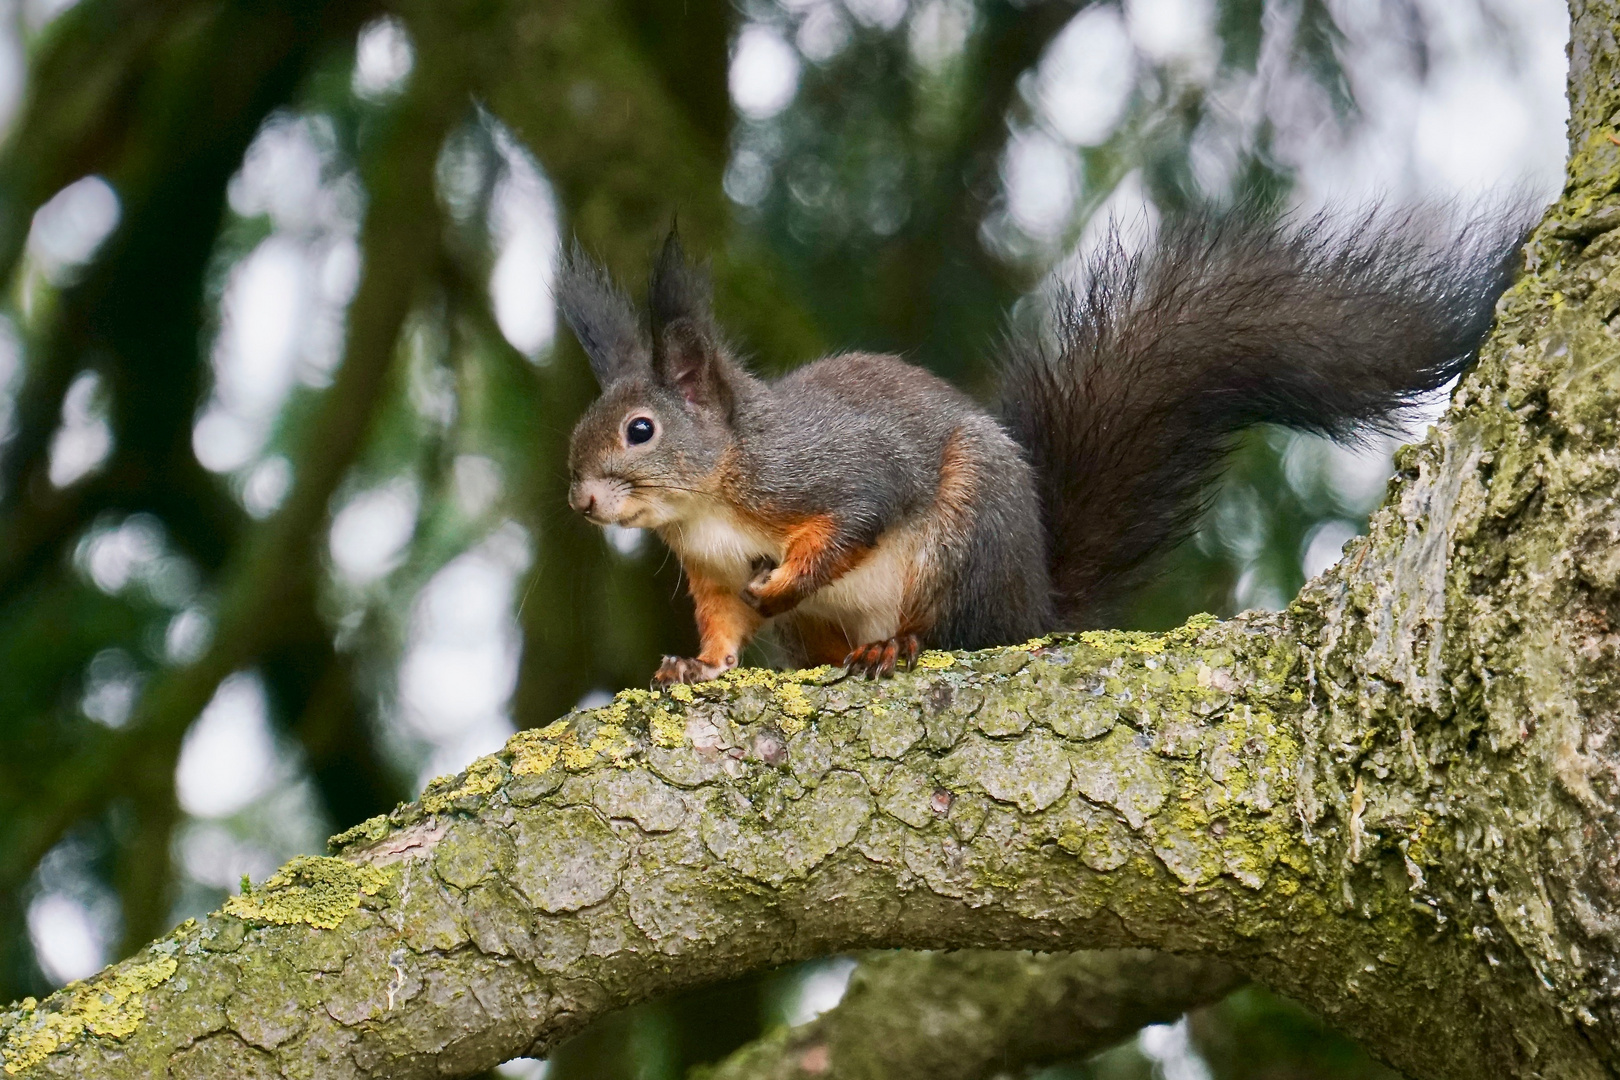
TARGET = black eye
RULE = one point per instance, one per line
(638, 430)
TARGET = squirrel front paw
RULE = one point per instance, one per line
(687, 669)
(878, 660)
(765, 592)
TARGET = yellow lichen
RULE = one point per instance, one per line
(533, 752)
(110, 1005)
(537, 749)
(482, 777)
(610, 741)
(742, 678)
(373, 828)
(1119, 642)
(668, 730)
(576, 757)
(618, 710)
(1032, 644)
(934, 660)
(318, 891)
(682, 692)
(796, 707)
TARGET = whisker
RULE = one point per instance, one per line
(649, 485)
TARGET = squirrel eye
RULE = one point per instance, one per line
(638, 430)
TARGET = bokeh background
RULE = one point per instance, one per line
(283, 403)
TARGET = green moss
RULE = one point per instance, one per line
(112, 1005)
(318, 891)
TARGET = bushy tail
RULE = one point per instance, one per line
(1227, 320)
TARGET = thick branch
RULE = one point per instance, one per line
(969, 1015)
(1108, 790)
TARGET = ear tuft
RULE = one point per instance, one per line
(601, 317)
(678, 290)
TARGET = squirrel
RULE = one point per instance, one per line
(869, 509)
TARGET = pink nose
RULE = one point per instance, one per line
(581, 499)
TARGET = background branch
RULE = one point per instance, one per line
(274, 566)
(971, 1015)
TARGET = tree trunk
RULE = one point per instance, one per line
(1395, 801)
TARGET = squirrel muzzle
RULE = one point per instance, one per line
(599, 499)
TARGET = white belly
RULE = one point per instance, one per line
(722, 545)
(867, 602)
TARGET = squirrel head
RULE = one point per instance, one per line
(645, 453)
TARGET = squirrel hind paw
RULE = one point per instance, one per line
(879, 659)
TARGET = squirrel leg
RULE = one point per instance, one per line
(879, 659)
(817, 551)
(725, 625)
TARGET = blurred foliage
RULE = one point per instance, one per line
(870, 211)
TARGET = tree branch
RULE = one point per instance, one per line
(969, 1015)
(1108, 790)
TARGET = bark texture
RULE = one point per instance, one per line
(1394, 802)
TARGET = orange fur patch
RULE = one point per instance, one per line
(958, 484)
(725, 624)
(947, 526)
(822, 641)
(813, 558)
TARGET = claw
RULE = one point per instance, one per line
(754, 593)
(879, 659)
(683, 669)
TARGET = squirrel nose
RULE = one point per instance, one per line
(581, 499)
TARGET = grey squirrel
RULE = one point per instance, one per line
(871, 510)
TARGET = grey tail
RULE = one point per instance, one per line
(1229, 319)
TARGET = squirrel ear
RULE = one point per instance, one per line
(686, 350)
(687, 360)
(601, 317)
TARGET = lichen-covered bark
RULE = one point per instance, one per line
(1464, 680)
(1395, 802)
(970, 1015)
(1108, 789)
